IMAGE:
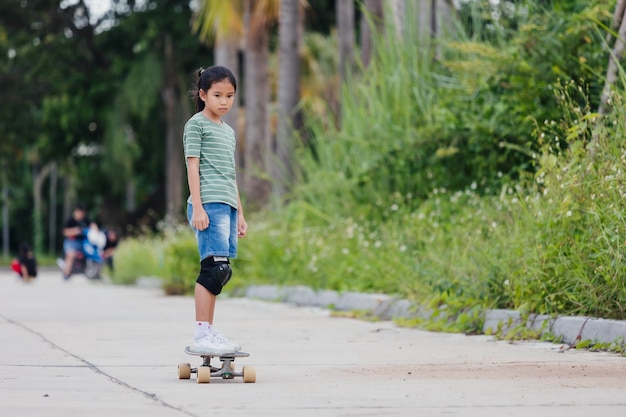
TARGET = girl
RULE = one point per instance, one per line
(214, 208)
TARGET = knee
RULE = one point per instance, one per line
(215, 272)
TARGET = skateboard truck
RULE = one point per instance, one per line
(205, 372)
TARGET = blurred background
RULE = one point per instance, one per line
(464, 152)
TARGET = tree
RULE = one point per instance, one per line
(256, 17)
(288, 92)
(371, 20)
(43, 41)
(617, 53)
(345, 31)
(152, 103)
(91, 97)
(220, 24)
(258, 149)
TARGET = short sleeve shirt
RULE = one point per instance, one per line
(214, 144)
(72, 222)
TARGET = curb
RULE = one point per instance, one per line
(383, 306)
(571, 330)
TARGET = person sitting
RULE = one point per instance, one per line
(112, 240)
(73, 233)
(26, 264)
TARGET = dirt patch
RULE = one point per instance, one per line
(595, 374)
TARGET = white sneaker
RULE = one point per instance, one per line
(210, 344)
(236, 347)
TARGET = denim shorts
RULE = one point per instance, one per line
(72, 245)
(220, 238)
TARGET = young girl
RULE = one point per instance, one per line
(214, 208)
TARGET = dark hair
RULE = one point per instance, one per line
(25, 249)
(208, 77)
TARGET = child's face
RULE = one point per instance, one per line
(218, 99)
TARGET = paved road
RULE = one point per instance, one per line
(80, 348)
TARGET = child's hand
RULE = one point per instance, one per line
(199, 219)
(242, 226)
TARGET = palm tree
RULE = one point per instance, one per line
(256, 16)
(290, 26)
(221, 23)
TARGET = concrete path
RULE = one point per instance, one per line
(81, 348)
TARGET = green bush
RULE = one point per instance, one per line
(181, 264)
(137, 257)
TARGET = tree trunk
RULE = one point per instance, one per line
(345, 31)
(372, 18)
(434, 30)
(618, 16)
(256, 97)
(173, 133)
(613, 66)
(288, 94)
(225, 54)
(52, 210)
(5, 211)
(38, 229)
(398, 11)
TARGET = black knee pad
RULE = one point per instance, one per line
(215, 272)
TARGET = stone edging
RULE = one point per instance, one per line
(385, 307)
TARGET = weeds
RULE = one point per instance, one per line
(433, 190)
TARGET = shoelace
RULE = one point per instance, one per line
(220, 337)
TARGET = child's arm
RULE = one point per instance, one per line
(199, 218)
(72, 231)
(242, 226)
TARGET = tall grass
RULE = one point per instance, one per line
(391, 201)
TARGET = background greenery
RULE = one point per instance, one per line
(467, 171)
(463, 183)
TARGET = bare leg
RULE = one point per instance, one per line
(69, 260)
(205, 304)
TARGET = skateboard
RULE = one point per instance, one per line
(205, 372)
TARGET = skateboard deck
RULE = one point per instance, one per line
(205, 372)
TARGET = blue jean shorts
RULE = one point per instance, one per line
(220, 238)
(72, 245)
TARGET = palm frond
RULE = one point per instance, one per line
(218, 20)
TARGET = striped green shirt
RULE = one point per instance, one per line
(215, 146)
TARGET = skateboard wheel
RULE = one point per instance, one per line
(204, 375)
(184, 371)
(249, 374)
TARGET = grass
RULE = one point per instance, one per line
(407, 197)
(552, 243)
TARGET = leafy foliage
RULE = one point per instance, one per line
(411, 124)
(86, 94)
(547, 236)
